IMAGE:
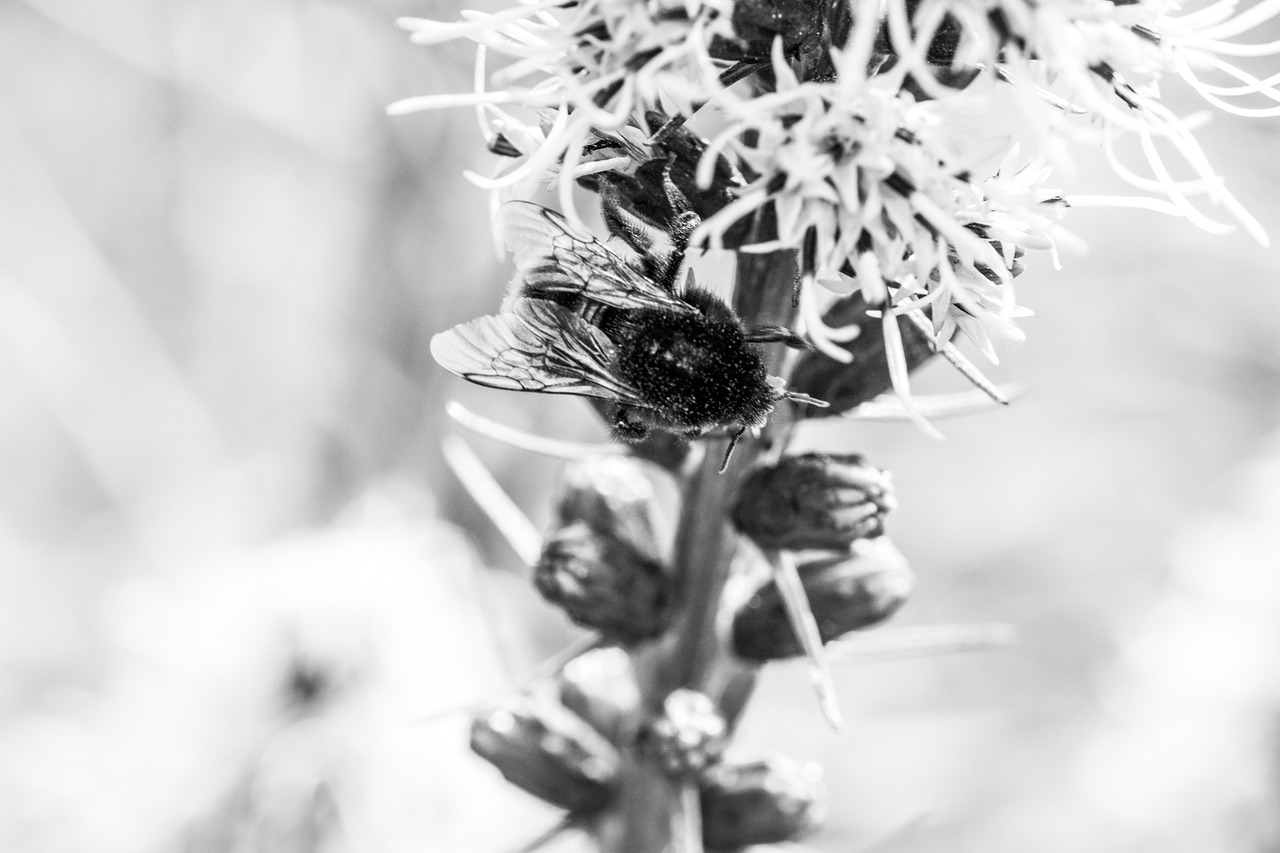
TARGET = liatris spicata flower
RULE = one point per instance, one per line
(847, 154)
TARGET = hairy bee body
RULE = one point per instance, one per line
(580, 320)
(698, 370)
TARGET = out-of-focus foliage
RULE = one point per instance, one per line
(220, 265)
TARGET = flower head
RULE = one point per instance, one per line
(1090, 71)
(580, 68)
(866, 189)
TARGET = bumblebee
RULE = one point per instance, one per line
(579, 319)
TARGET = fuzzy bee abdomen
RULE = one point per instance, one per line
(695, 371)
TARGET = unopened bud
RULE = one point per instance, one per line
(604, 583)
(689, 736)
(549, 752)
(600, 686)
(764, 802)
(847, 386)
(848, 592)
(815, 500)
(617, 496)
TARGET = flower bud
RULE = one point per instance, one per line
(689, 736)
(616, 496)
(847, 386)
(815, 500)
(764, 802)
(848, 592)
(600, 687)
(604, 583)
(549, 752)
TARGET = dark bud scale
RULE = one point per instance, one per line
(854, 590)
(815, 500)
(550, 753)
(604, 583)
(763, 802)
(847, 386)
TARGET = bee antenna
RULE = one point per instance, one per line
(728, 451)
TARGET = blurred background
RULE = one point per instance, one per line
(235, 575)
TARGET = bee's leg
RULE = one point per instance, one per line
(622, 224)
(728, 451)
(681, 229)
(670, 126)
(601, 145)
(683, 223)
(769, 333)
(677, 200)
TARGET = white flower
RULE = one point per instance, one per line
(863, 184)
(1105, 61)
(579, 68)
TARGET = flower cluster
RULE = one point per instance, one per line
(579, 68)
(865, 189)
(845, 134)
(1089, 71)
(851, 154)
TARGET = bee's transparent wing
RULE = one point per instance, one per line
(552, 260)
(534, 346)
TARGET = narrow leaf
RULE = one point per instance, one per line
(887, 407)
(513, 524)
(796, 602)
(958, 360)
(894, 643)
(527, 441)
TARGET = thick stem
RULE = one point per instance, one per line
(648, 810)
(706, 542)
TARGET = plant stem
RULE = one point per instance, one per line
(650, 809)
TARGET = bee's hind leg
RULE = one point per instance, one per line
(684, 221)
(623, 224)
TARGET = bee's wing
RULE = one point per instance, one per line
(553, 260)
(534, 346)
